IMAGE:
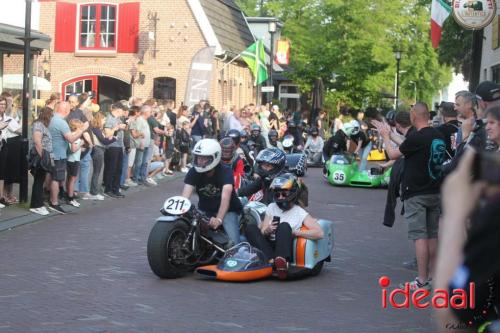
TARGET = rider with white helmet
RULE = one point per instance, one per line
(213, 182)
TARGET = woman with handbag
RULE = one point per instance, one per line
(40, 159)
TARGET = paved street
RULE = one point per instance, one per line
(88, 272)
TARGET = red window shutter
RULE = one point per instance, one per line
(128, 27)
(65, 27)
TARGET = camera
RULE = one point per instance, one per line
(487, 167)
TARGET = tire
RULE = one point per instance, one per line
(317, 268)
(160, 237)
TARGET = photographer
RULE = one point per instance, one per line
(471, 254)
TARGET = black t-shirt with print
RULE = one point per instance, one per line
(360, 136)
(424, 152)
(448, 130)
(209, 189)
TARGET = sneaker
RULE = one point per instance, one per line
(74, 203)
(2, 206)
(124, 187)
(281, 267)
(57, 208)
(110, 194)
(184, 170)
(130, 183)
(189, 165)
(89, 196)
(4, 202)
(416, 284)
(40, 211)
(118, 195)
(151, 181)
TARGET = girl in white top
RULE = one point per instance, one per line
(182, 114)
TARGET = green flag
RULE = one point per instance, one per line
(254, 56)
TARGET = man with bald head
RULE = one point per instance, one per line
(61, 136)
(424, 152)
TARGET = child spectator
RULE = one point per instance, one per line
(182, 142)
(169, 149)
(73, 167)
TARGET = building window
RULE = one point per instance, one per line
(79, 85)
(164, 88)
(97, 27)
(495, 74)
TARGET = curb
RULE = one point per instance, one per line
(29, 217)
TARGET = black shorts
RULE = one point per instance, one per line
(3, 161)
(58, 172)
(184, 149)
(73, 168)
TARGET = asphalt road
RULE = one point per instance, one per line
(88, 272)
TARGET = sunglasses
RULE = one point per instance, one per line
(281, 194)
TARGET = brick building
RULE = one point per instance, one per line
(123, 48)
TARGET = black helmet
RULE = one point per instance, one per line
(273, 135)
(391, 118)
(285, 190)
(228, 149)
(235, 135)
(314, 131)
(274, 156)
(255, 130)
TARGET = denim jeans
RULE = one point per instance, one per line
(140, 175)
(146, 159)
(123, 176)
(231, 225)
(82, 183)
(196, 138)
(364, 156)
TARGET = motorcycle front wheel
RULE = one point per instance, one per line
(165, 254)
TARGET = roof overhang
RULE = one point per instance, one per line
(11, 40)
(205, 26)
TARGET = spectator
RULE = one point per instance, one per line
(182, 116)
(100, 142)
(215, 120)
(41, 145)
(53, 99)
(13, 146)
(450, 126)
(157, 163)
(234, 119)
(82, 183)
(274, 122)
(142, 130)
(126, 147)
(76, 102)
(169, 106)
(264, 123)
(338, 122)
(73, 164)
(134, 139)
(469, 247)
(424, 152)
(470, 133)
(113, 156)
(197, 125)
(169, 149)
(489, 92)
(4, 122)
(493, 124)
(182, 143)
(61, 136)
(321, 123)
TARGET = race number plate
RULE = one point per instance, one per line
(339, 177)
(176, 205)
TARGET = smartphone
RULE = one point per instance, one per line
(275, 221)
(487, 167)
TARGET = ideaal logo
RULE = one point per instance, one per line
(439, 298)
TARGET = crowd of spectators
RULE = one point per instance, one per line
(78, 153)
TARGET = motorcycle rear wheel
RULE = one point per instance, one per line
(164, 239)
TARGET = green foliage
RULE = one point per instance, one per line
(350, 45)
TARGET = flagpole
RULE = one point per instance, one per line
(226, 64)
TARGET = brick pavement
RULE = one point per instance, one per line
(88, 272)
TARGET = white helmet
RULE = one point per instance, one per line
(206, 155)
(351, 128)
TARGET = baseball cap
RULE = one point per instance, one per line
(487, 91)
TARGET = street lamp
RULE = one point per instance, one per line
(397, 55)
(272, 29)
(140, 69)
(46, 68)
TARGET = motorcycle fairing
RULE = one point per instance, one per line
(343, 171)
(307, 253)
(213, 271)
